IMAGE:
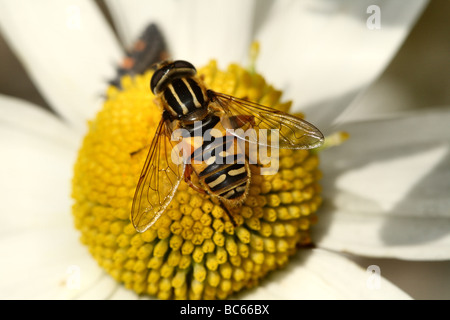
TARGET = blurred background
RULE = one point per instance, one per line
(417, 78)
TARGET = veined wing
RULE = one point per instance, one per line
(269, 127)
(158, 182)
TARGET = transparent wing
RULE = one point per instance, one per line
(158, 182)
(268, 126)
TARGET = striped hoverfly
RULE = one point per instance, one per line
(200, 140)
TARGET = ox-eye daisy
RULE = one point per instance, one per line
(384, 190)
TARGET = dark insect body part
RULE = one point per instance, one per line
(148, 50)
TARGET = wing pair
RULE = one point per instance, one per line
(161, 176)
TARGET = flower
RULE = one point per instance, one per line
(194, 251)
(40, 244)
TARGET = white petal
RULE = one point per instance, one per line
(386, 189)
(125, 294)
(68, 50)
(428, 276)
(36, 165)
(195, 30)
(323, 53)
(102, 288)
(46, 262)
(318, 274)
(42, 257)
(17, 114)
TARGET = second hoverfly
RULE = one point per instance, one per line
(217, 165)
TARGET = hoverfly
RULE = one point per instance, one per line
(222, 169)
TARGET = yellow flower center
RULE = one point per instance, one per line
(193, 251)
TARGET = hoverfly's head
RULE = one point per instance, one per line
(167, 71)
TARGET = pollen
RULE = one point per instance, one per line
(193, 251)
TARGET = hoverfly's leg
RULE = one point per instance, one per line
(306, 246)
(133, 153)
(256, 169)
(187, 179)
(230, 216)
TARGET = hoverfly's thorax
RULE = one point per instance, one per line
(184, 96)
(179, 89)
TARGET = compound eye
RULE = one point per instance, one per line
(157, 76)
(170, 71)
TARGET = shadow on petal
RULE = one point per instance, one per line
(324, 113)
(430, 200)
(386, 189)
(393, 13)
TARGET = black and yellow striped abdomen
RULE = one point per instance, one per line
(219, 163)
(229, 181)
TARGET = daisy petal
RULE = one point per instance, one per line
(323, 53)
(36, 169)
(196, 30)
(17, 114)
(319, 274)
(427, 275)
(387, 188)
(41, 254)
(46, 262)
(68, 50)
